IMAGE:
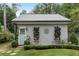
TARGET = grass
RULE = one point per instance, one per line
(5, 46)
(6, 50)
(47, 52)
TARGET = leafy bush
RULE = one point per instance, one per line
(41, 47)
(3, 39)
(51, 47)
(26, 47)
(0, 27)
(74, 39)
(63, 42)
(26, 42)
(9, 36)
(6, 37)
(14, 44)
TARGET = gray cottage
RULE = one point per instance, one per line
(41, 29)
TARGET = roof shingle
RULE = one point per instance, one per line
(41, 17)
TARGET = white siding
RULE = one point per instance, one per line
(64, 33)
(47, 39)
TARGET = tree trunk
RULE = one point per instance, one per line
(4, 16)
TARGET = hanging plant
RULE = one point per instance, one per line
(57, 32)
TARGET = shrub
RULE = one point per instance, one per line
(75, 47)
(26, 47)
(0, 28)
(3, 37)
(14, 44)
(41, 47)
(9, 36)
(26, 42)
(6, 37)
(63, 42)
(74, 39)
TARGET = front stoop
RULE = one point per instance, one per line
(20, 47)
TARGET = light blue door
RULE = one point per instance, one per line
(22, 36)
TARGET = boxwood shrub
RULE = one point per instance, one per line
(26, 42)
(41, 47)
(51, 47)
(14, 44)
(26, 47)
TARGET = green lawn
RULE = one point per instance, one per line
(6, 50)
(47, 52)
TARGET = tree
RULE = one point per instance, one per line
(0, 27)
(23, 12)
(37, 9)
(4, 15)
(69, 10)
(14, 7)
(74, 39)
(1, 16)
(10, 15)
(44, 8)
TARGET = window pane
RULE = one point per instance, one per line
(22, 31)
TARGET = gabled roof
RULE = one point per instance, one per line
(41, 17)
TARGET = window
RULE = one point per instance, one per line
(46, 31)
(57, 33)
(22, 31)
(36, 34)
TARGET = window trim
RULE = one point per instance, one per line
(22, 27)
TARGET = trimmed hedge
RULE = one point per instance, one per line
(26, 42)
(26, 47)
(14, 44)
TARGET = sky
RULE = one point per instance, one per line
(25, 6)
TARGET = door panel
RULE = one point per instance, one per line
(22, 36)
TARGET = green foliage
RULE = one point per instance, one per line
(42, 47)
(74, 39)
(26, 42)
(6, 37)
(10, 14)
(0, 28)
(23, 12)
(14, 44)
(9, 36)
(63, 42)
(1, 16)
(69, 10)
(26, 47)
(44, 8)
